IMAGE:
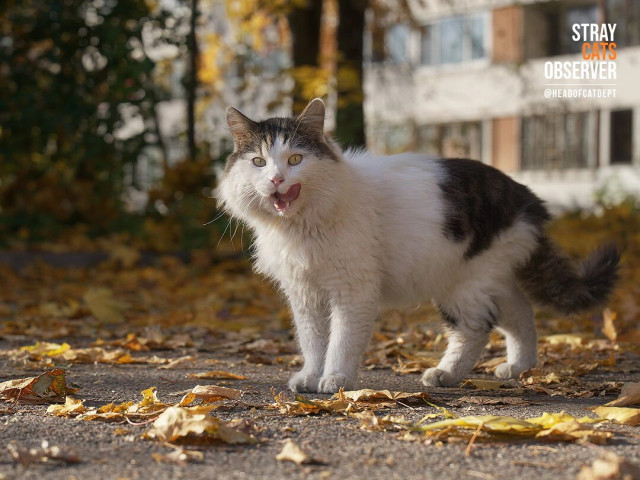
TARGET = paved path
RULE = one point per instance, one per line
(343, 450)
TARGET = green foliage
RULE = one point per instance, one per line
(72, 72)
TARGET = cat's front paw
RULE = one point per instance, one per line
(332, 382)
(506, 371)
(434, 377)
(304, 381)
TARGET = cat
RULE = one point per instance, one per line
(347, 233)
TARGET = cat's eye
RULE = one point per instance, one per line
(295, 159)
(259, 162)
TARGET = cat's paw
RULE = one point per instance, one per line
(332, 382)
(304, 382)
(434, 377)
(506, 371)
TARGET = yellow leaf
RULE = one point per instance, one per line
(104, 306)
(46, 349)
(217, 374)
(291, 452)
(490, 423)
(608, 327)
(628, 416)
(71, 408)
(484, 384)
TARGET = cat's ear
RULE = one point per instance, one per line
(241, 126)
(313, 117)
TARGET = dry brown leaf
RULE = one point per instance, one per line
(370, 421)
(72, 407)
(217, 374)
(210, 394)
(478, 400)
(181, 362)
(610, 467)
(303, 406)
(44, 454)
(291, 452)
(101, 303)
(382, 398)
(49, 387)
(180, 456)
(193, 424)
(630, 395)
(627, 416)
(608, 327)
(148, 406)
(485, 384)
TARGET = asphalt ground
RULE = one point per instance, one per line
(339, 446)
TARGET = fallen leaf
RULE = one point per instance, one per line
(485, 384)
(44, 454)
(72, 407)
(102, 304)
(291, 452)
(181, 362)
(50, 387)
(180, 456)
(478, 400)
(149, 405)
(382, 398)
(630, 395)
(628, 416)
(210, 394)
(216, 374)
(194, 424)
(370, 421)
(610, 467)
(608, 327)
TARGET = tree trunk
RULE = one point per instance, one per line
(350, 114)
(304, 23)
(192, 81)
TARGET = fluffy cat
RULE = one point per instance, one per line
(346, 233)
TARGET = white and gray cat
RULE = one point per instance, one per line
(347, 233)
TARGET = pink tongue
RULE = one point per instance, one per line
(290, 195)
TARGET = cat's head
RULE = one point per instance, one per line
(280, 167)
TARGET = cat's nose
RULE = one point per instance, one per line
(277, 180)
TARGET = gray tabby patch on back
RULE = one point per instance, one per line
(482, 202)
(250, 136)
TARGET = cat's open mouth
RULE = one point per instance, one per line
(282, 201)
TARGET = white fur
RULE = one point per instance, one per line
(365, 233)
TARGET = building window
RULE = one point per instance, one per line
(626, 15)
(579, 15)
(555, 141)
(461, 139)
(621, 143)
(397, 44)
(453, 40)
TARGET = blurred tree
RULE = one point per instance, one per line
(350, 114)
(191, 80)
(75, 107)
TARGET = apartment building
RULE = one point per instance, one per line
(512, 83)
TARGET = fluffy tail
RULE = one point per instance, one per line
(551, 278)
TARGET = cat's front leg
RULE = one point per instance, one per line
(312, 329)
(351, 327)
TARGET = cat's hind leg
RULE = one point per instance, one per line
(518, 326)
(467, 338)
